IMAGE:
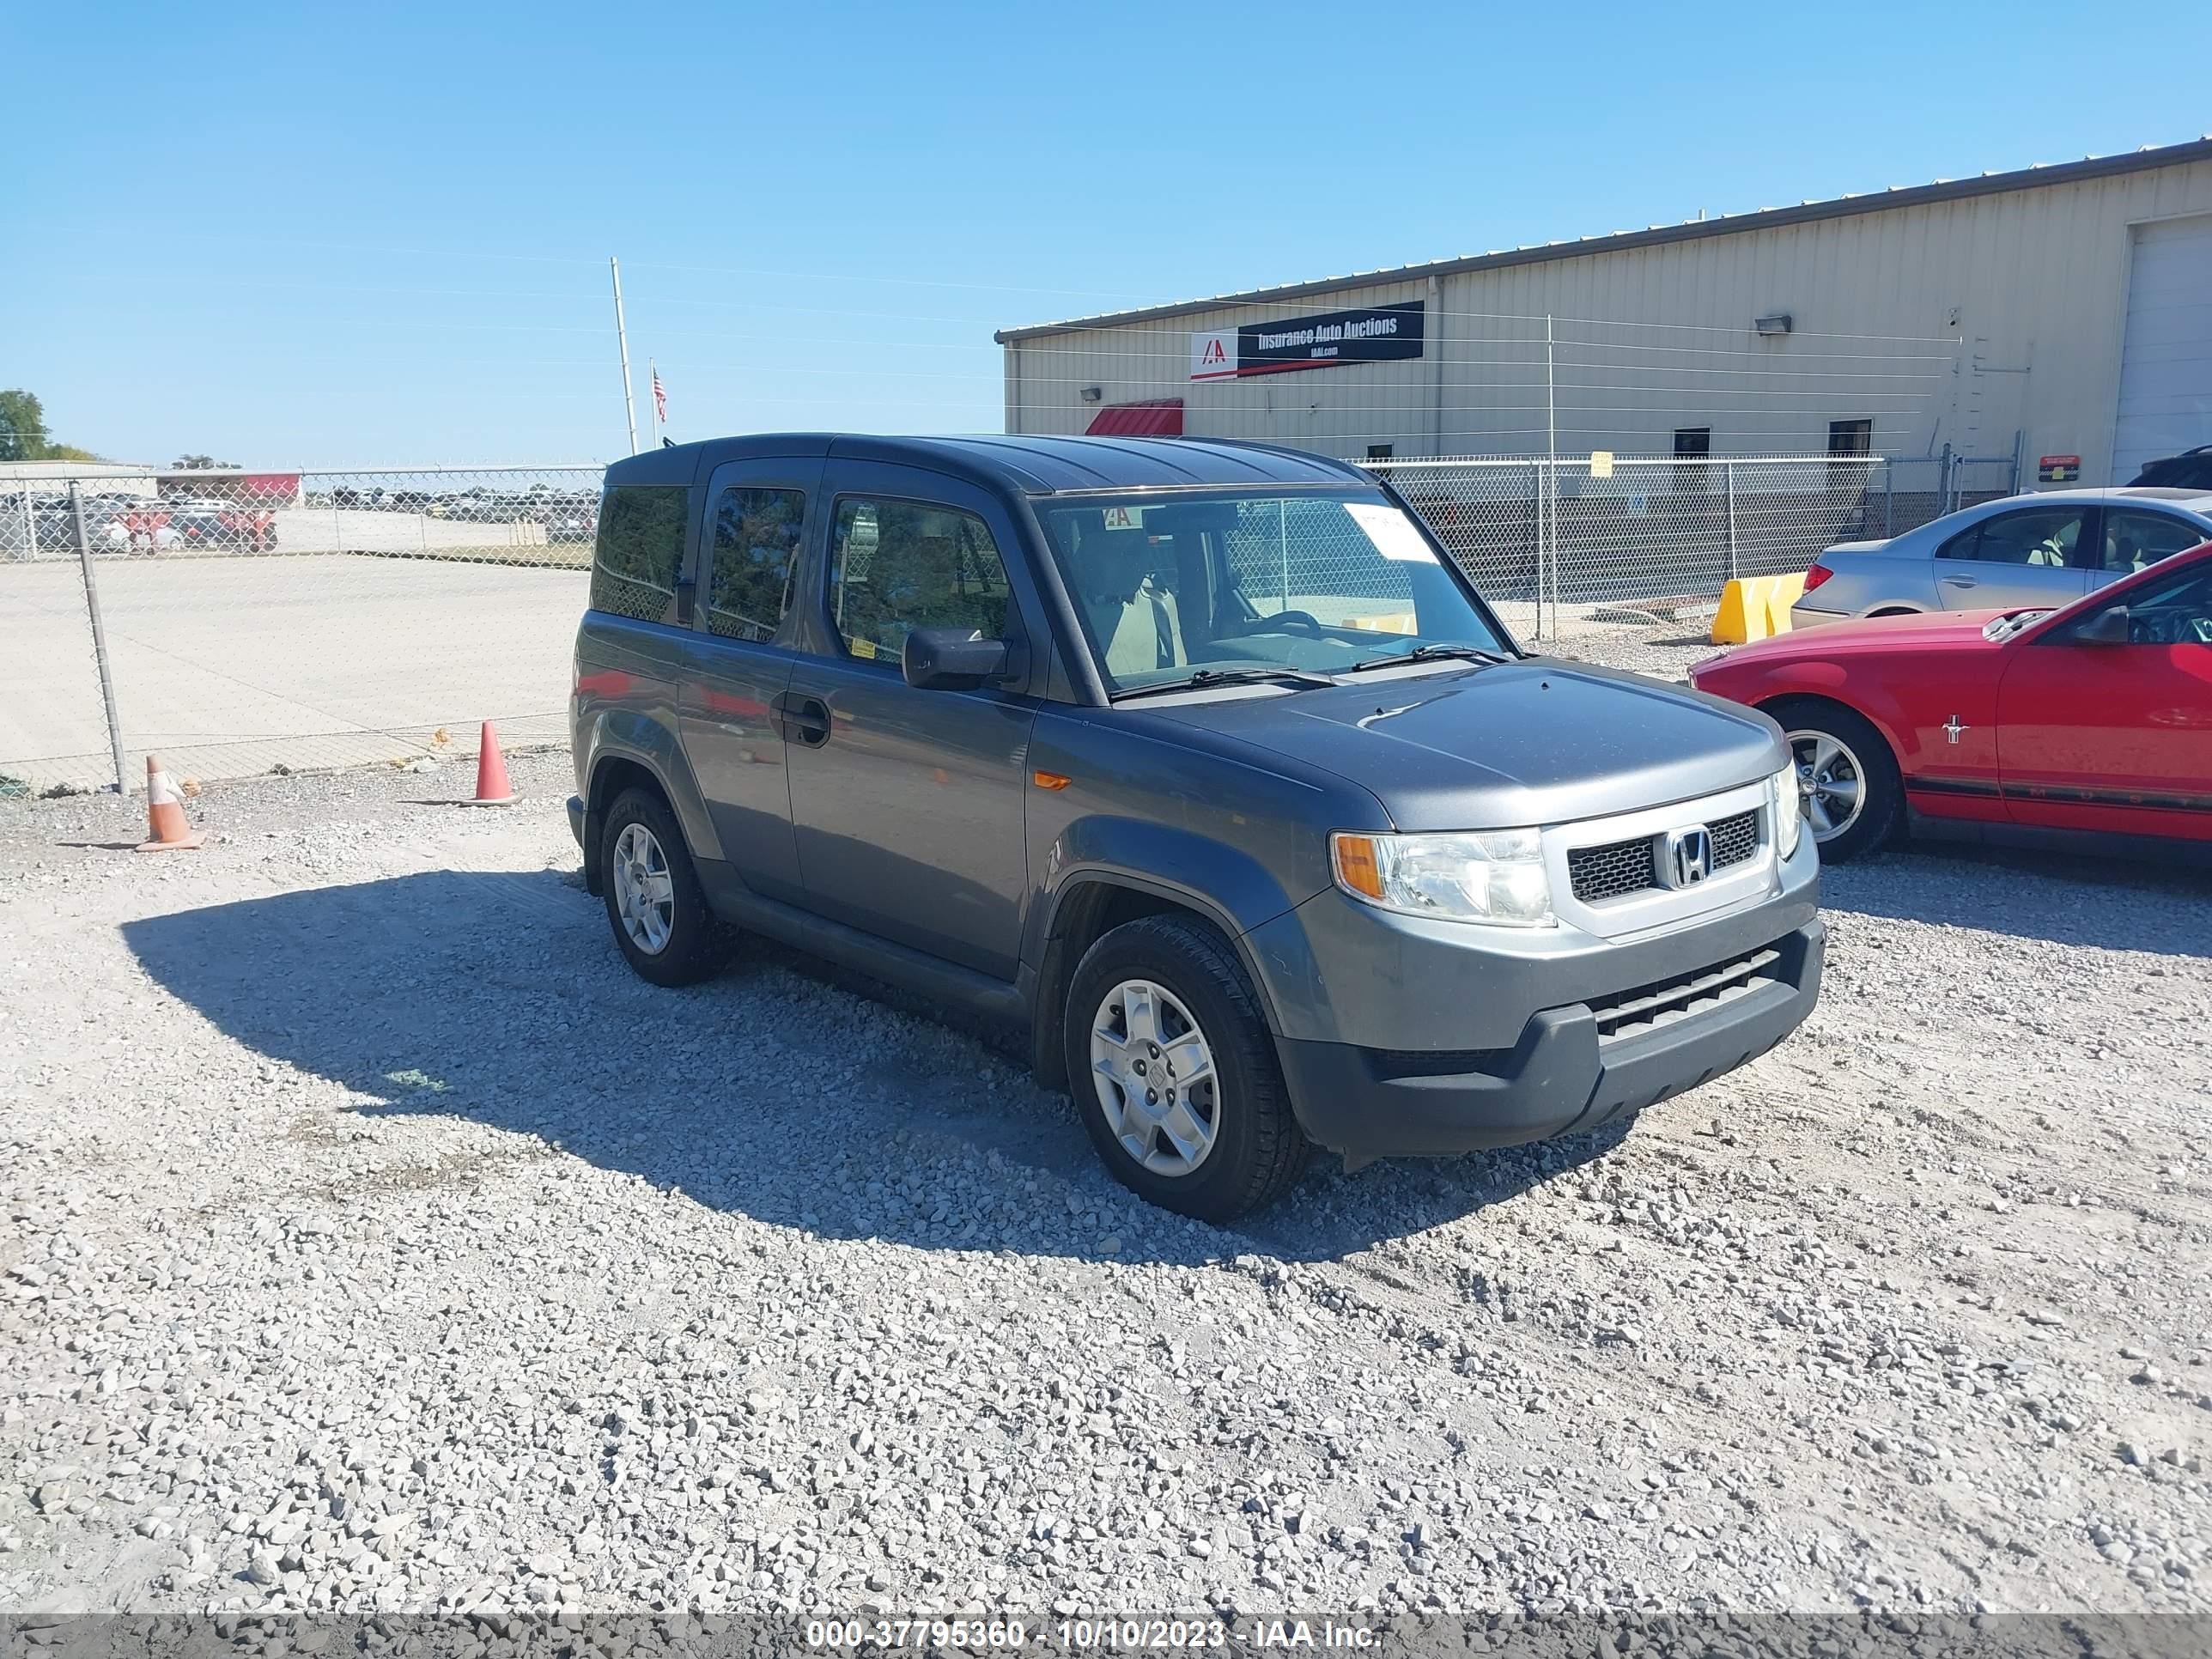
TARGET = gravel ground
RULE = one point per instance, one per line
(375, 1240)
(1664, 653)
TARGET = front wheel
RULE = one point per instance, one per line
(1174, 1071)
(655, 904)
(1848, 783)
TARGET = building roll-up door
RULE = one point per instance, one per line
(2165, 367)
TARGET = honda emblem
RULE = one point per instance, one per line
(1689, 855)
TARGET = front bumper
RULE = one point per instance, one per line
(1571, 1069)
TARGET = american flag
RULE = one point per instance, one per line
(659, 398)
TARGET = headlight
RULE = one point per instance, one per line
(1494, 876)
(1788, 813)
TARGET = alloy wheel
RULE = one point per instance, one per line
(644, 893)
(1154, 1074)
(1831, 782)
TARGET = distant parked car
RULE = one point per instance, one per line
(2047, 549)
(574, 518)
(479, 506)
(221, 526)
(2189, 470)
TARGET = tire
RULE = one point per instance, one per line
(1840, 744)
(674, 941)
(1253, 1147)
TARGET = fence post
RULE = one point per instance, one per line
(1730, 476)
(30, 525)
(99, 637)
(1557, 552)
(1889, 498)
(1943, 483)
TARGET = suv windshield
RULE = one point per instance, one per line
(1171, 584)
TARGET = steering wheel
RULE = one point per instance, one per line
(1266, 624)
(2168, 628)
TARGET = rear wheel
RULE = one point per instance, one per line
(655, 904)
(1848, 783)
(1174, 1071)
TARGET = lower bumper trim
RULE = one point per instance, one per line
(1562, 1076)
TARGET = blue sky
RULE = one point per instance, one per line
(369, 235)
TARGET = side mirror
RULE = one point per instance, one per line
(952, 659)
(2108, 627)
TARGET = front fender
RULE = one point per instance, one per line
(1222, 881)
(1229, 887)
(1824, 678)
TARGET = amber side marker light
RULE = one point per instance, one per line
(1355, 865)
(1050, 780)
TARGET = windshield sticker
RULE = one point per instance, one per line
(1393, 533)
(1124, 517)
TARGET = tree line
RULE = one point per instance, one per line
(23, 434)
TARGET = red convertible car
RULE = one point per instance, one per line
(2091, 723)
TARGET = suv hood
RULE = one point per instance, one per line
(1481, 747)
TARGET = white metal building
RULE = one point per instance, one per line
(2059, 312)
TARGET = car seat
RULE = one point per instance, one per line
(1133, 618)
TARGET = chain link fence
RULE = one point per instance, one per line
(264, 622)
(1563, 547)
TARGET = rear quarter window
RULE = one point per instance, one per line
(639, 550)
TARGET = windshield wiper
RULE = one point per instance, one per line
(1430, 654)
(1206, 677)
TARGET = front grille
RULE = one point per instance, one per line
(1620, 867)
(1632, 1013)
(1598, 873)
(1735, 839)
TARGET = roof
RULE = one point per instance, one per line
(1030, 465)
(1728, 224)
(2199, 499)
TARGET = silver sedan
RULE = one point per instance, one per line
(2043, 550)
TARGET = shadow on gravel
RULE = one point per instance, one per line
(2114, 905)
(775, 1091)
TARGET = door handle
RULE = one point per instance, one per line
(1957, 582)
(802, 718)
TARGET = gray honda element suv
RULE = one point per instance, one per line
(1203, 761)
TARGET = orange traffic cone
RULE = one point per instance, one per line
(492, 787)
(166, 824)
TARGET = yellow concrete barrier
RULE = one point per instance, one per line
(1785, 593)
(1753, 607)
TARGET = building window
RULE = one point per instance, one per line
(1692, 444)
(1379, 451)
(1848, 438)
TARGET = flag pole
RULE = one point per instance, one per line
(622, 343)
